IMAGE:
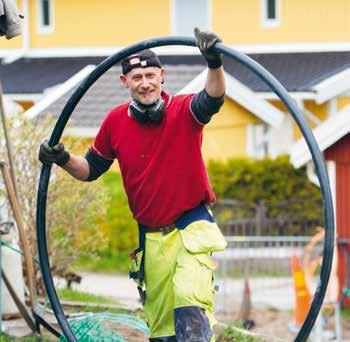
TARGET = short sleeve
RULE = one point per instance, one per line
(102, 144)
(188, 105)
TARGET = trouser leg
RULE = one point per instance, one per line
(194, 297)
(192, 324)
(160, 262)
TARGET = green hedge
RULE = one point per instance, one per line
(119, 228)
(269, 180)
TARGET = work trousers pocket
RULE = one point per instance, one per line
(194, 280)
(203, 237)
(137, 267)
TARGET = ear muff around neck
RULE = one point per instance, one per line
(152, 113)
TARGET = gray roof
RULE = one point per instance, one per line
(108, 92)
(296, 71)
(34, 75)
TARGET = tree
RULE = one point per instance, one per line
(75, 209)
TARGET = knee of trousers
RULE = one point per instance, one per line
(192, 324)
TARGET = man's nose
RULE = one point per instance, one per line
(145, 82)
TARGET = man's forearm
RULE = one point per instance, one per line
(215, 84)
(77, 167)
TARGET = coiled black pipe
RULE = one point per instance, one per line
(275, 86)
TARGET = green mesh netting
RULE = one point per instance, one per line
(93, 327)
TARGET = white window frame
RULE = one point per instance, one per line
(270, 23)
(174, 22)
(41, 28)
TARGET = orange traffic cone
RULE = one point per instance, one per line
(246, 307)
(302, 294)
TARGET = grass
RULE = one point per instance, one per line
(86, 297)
(345, 312)
(230, 334)
(117, 262)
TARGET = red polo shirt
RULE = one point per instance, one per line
(161, 164)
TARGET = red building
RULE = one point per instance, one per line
(333, 137)
(339, 152)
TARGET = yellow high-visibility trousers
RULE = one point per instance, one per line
(179, 273)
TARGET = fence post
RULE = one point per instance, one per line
(260, 216)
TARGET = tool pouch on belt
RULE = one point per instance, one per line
(137, 267)
(202, 234)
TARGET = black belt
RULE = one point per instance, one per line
(163, 229)
(198, 213)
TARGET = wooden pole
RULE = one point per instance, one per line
(22, 233)
(21, 307)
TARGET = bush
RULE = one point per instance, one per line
(272, 181)
(119, 228)
(74, 209)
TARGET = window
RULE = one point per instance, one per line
(45, 16)
(270, 13)
(187, 14)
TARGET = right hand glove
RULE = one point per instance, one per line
(205, 41)
(55, 154)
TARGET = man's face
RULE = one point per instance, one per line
(144, 83)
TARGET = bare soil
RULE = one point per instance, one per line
(128, 333)
(270, 325)
(275, 325)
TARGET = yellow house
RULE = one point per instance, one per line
(305, 44)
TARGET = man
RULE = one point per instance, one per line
(157, 141)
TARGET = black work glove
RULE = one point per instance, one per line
(205, 41)
(56, 154)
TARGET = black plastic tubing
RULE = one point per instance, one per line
(275, 86)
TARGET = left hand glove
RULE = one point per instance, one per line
(56, 154)
(205, 41)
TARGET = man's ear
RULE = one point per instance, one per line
(162, 71)
(123, 79)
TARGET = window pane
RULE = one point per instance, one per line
(271, 9)
(189, 14)
(46, 12)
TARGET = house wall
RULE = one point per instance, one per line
(226, 135)
(240, 22)
(78, 23)
(14, 43)
(26, 104)
(342, 102)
